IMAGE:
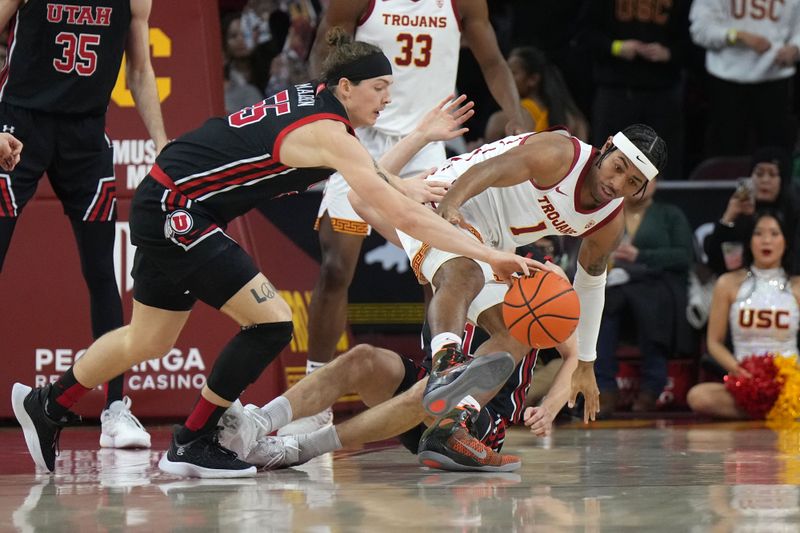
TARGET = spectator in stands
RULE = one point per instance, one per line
(750, 59)
(239, 92)
(770, 186)
(650, 265)
(543, 94)
(761, 286)
(264, 53)
(638, 59)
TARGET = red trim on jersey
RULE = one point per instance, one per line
(456, 14)
(367, 12)
(10, 47)
(576, 152)
(469, 334)
(5, 195)
(102, 209)
(276, 148)
(161, 177)
(211, 181)
(526, 374)
(579, 185)
(259, 172)
(603, 222)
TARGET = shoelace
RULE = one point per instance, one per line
(127, 415)
(276, 450)
(212, 441)
(258, 417)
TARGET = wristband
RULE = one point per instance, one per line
(731, 36)
(616, 47)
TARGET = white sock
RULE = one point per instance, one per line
(318, 442)
(278, 412)
(443, 339)
(470, 401)
(313, 365)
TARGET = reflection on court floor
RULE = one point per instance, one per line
(643, 475)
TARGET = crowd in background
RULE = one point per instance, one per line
(597, 66)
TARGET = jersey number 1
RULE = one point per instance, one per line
(76, 53)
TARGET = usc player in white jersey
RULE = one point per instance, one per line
(422, 39)
(509, 193)
(760, 305)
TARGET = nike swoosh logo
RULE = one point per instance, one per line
(480, 454)
(640, 159)
(558, 190)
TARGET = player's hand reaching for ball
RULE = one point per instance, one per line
(584, 382)
(10, 150)
(505, 265)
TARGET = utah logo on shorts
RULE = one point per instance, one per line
(178, 223)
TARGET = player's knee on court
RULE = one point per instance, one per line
(246, 356)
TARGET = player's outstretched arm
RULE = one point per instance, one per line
(326, 143)
(141, 78)
(442, 123)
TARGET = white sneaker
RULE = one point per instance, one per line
(241, 428)
(309, 424)
(275, 452)
(120, 429)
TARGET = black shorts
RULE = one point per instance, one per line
(182, 253)
(76, 154)
(505, 409)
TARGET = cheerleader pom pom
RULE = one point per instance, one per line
(757, 394)
(786, 408)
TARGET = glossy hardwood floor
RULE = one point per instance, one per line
(636, 475)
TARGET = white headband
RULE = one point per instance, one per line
(635, 155)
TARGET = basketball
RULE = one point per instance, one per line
(542, 310)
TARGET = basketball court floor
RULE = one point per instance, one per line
(638, 475)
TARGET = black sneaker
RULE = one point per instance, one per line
(455, 375)
(203, 457)
(449, 445)
(41, 431)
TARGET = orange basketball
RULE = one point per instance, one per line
(542, 310)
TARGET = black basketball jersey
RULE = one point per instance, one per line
(231, 164)
(64, 57)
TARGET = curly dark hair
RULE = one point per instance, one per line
(647, 140)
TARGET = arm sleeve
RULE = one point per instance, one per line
(592, 295)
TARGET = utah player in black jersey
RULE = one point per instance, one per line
(63, 61)
(202, 181)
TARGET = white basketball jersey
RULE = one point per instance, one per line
(764, 317)
(422, 40)
(509, 217)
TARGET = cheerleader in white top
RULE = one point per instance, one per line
(759, 304)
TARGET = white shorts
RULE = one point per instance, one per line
(426, 261)
(334, 198)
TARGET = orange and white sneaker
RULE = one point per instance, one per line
(449, 445)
